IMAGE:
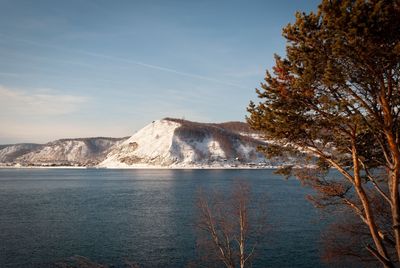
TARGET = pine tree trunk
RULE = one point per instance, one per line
(373, 228)
(395, 211)
(393, 181)
(368, 211)
(394, 194)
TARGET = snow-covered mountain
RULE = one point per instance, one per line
(180, 143)
(169, 143)
(65, 152)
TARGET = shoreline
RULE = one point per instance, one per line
(137, 168)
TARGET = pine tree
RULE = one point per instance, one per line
(335, 95)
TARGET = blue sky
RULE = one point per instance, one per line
(107, 68)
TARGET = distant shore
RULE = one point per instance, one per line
(41, 167)
(141, 167)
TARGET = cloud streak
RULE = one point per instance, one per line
(37, 103)
(138, 63)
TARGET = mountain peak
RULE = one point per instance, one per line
(171, 142)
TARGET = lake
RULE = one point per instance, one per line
(144, 216)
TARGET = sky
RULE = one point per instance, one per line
(87, 68)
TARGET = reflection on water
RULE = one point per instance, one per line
(145, 216)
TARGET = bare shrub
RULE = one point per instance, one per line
(230, 227)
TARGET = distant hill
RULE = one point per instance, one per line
(10, 152)
(64, 152)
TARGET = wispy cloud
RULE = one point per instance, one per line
(161, 68)
(44, 102)
(129, 61)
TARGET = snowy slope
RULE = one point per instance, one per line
(149, 146)
(65, 152)
(8, 153)
(179, 143)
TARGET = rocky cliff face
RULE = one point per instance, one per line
(180, 143)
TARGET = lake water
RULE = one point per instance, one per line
(144, 216)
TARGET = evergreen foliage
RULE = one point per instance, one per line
(336, 96)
